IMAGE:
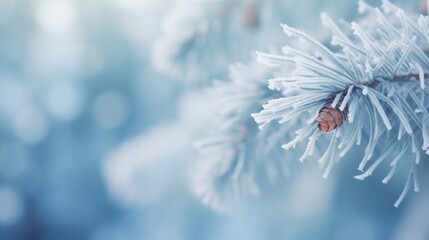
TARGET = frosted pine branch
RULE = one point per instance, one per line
(237, 155)
(375, 86)
(191, 45)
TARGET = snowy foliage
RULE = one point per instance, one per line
(200, 39)
(193, 36)
(378, 74)
(237, 155)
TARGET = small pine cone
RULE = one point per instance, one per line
(331, 117)
(250, 18)
(423, 7)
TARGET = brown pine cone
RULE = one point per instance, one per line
(331, 117)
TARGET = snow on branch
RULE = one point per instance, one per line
(376, 81)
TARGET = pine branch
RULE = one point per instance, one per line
(331, 116)
(235, 155)
(401, 78)
(370, 83)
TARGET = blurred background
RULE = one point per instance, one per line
(102, 100)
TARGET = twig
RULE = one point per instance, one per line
(408, 77)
